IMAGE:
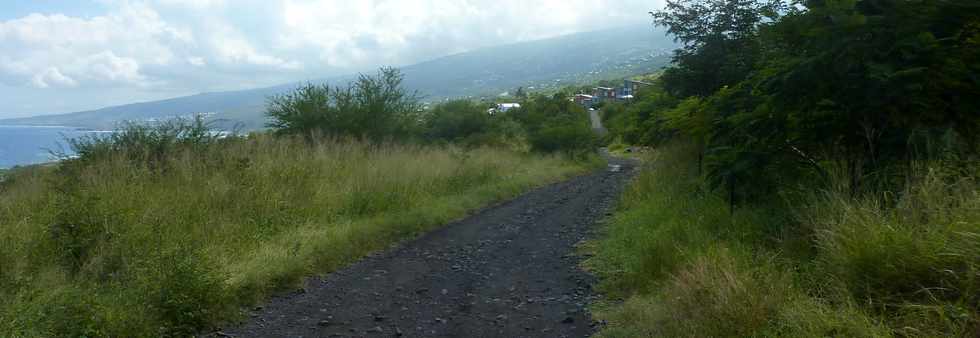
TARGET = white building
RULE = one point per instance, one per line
(503, 108)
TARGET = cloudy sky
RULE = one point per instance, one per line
(70, 55)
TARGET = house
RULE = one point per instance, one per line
(583, 100)
(600, 94)
(503, 108)
(630, 87)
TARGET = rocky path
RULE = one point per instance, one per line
(507, 271)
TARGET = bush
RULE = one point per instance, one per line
(457, 120)
(376, 107)
(554, 124)
(184, 290)
(144, 142)
(571, 139)
(547, 125)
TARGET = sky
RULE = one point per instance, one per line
(60, 56)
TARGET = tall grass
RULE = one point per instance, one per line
(911, 257)
(117, 247)
(901, 263)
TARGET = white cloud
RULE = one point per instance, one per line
(186, 46)
(106, 66)
(232, 48)
(52, 77)
(365, 33)
(194, 4)
(196, 61)
(103, 50)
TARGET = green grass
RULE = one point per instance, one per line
(113, 247)
(674, 262)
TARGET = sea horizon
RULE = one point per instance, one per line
(22, 145)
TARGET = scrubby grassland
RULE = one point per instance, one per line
(818, 264)
(827, 185)
(167, 246)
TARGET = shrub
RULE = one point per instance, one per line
(376, 107)
(144, 142)
(184, 290)
(457, 120)
(571, 139)
(554, 124)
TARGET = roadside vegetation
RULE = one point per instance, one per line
(815, 174)
(169, 229)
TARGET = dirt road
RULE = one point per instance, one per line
(597, 123)
(507, 271)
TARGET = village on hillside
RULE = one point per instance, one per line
(624, 93)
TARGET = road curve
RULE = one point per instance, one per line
(507, 271)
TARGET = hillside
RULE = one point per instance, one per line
(542, 64)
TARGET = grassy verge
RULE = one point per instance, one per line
(120, 248)
(900, 264)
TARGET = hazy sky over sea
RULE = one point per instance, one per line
(69, 55)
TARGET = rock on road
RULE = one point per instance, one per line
(507, 271)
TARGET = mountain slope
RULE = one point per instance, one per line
(542, 64)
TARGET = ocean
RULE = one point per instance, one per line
(23, 145)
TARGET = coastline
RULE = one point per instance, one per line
(25, 145)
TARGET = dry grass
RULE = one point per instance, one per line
(121, 248)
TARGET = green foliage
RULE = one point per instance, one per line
(144, 142)
(555, 124)
(520, 93)
(184, 290)
(828, 93)
(779, 96)
(376, 107)
(917, 263)
(849, 112)
(642, 121)
(719, 41)
(379, 109)
(687, 268)
(547, 124)
(570, 139)
(456, 120)
(119, 248)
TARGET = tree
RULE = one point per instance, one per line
(519, 93)
(786, 91)
(858, 82)
(719, 41)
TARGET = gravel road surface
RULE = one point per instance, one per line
(510, 270)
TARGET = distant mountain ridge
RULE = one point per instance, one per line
(536, 65)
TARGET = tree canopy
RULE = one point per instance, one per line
(777, 92)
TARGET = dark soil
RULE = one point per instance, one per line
(511, 270)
